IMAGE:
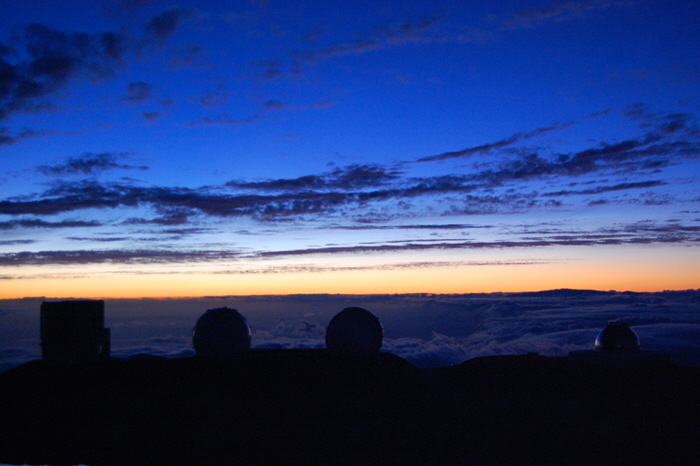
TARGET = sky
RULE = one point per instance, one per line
(201, 148)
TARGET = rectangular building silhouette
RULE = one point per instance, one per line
(74, 331)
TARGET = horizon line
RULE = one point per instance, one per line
(422, 293)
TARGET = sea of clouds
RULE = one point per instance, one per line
(427, 330)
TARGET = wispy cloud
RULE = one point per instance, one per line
(667, 139)
(449, 226)
(216, 97)
(664, 123)
(151, 116)
(113, 256)
(376, 38)
(267, 69)
(15, 242)
(223, 119)
(168, 216)
(634, 234)
(38, 223)
(488, 147)
(274, 105)
(8, 139)
(130, 3)
(186, 57)
(202, 256)
(98, 239)
(137, 92)
(89, 164)
(124, 7)
(164, 25)
(560, 11)
(346, 178)
(607, 189)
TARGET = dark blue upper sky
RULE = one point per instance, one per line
(154, 148)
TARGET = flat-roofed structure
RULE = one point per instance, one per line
(73, 331)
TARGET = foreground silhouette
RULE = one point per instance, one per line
(325, 407)
(354, 330)
(221, 333)
(347, 404)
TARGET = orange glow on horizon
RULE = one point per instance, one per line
(651, 269)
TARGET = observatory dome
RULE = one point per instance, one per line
(354, 330)
(617, 336)
(221, 332)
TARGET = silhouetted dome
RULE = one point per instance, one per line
(221, 332)
(617, 336)
(354, 330)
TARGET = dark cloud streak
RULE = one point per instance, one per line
(633, 234)
(649, 235)
(223, 119)
(486, 148)
(351, 177)
(14, 242)
(450, 226)
(559, 11)
(7, 139)
(38, 223)
(378, 37)
(113, 256)
(607, 189)
(374, 39)
(88, 164)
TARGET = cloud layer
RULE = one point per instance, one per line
(356, 197)
(428, 331)
(666, 140)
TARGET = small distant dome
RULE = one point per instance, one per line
(220, 333)
(354, 330)
(617, 336)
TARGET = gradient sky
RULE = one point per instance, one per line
(266, 147)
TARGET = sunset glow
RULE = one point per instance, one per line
(152, 150)
(612, 268)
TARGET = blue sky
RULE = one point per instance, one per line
(155, 149)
